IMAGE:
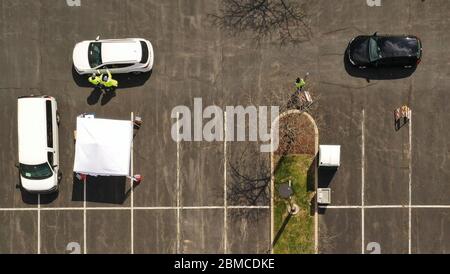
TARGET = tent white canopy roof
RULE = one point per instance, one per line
(330, 155)
(103, 147)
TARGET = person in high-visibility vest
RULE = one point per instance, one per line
(95, 79)
(107, 81)
(299, 83)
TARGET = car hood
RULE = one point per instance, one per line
(80, 56)
(43, 185)
(359, 50)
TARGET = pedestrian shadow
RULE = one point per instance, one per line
(126, 80)
(370, 73)
(107, 96)
(94, 97)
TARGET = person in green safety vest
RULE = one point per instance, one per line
(299, 83)
(95, 79)
(108, 82)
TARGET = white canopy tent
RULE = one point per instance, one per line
(103, 146)
(330, 155)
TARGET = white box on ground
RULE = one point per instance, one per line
(329, 155)
(324, 196)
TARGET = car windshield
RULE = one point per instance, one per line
(374, 50)
(144, 52)
(36, 172)
(95, 54)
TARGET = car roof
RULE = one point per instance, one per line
(32, 130)
(398, 46)
(121, 51)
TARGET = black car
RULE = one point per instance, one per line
(384, 50)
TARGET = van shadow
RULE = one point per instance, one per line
(126, 80)
(101, 189)
(325, 178)
(34, 199)
(371, 73)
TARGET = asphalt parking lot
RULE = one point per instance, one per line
(390, 188)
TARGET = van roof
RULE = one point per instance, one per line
(32, 130)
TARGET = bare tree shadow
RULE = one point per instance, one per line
(264, 19)
(373, 73)
(249, 186)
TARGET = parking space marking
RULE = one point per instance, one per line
(131, 186)
(362, 181)
(39, 224)
(410, 182)
(84, 217)
(178, 185)
(137, 208)
(384, 206)
(225, 225)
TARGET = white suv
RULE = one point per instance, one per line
(38, 118)
(117, 55)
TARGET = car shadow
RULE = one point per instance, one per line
(370, 73)
(126, 80)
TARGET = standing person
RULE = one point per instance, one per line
(301, 82)
(95, 79)
(108, 82)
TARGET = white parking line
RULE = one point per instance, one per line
(362, 181)
(39, 225)
(131, 185)
(178, 186)
(410, 183)
(84, 217)
(138, 208)
(361, 207)
(225, 225)
(385, 206)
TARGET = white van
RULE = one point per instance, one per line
(38, 143)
